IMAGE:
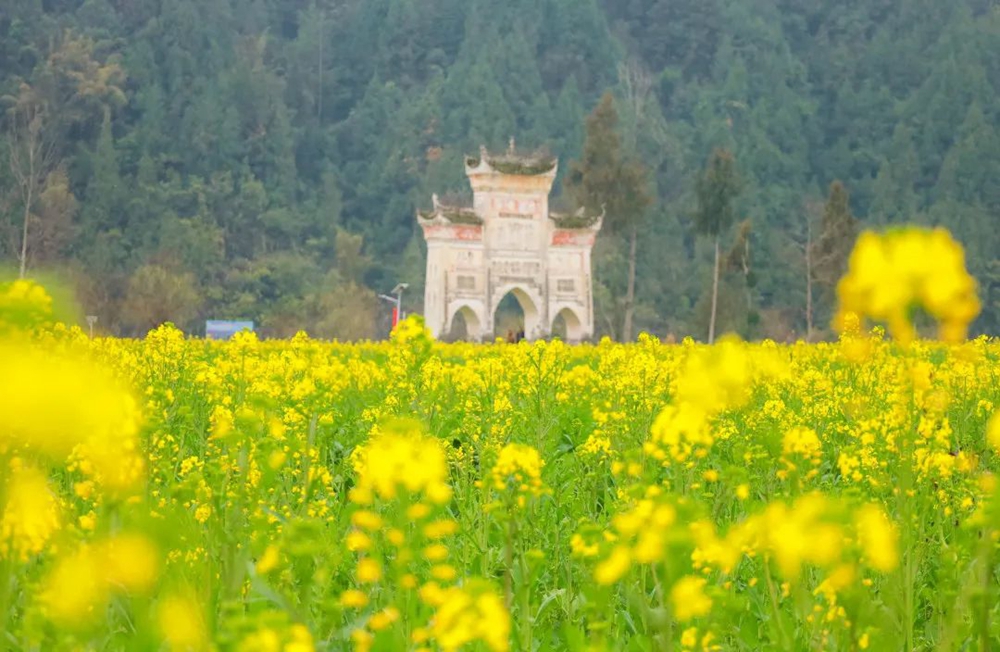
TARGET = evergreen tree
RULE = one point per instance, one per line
(609, 182)
(895, 197)
(831, 248)
(104, 199)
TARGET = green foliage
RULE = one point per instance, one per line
(606, 180)
(218, 137)
(837, 231)
(157, 295)
(716, 189)
(610, 181)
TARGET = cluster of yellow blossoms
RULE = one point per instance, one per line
(891, 274)
(31, 512)
(400, 534)
(712, 380)
(286, 496)
(24, 305)
(466, 614)
(397, 458)
(63, 414)
(518, 472)
(82, 583)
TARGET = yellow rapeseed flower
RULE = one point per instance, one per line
(130, 562)
(74, 591)
(888, 274)
(472, 613)
(269, 560)
(382, 619)
(181, 624)
(369, 570)
(614, 567)
(688, 599)
(402, 457)
(24, 305)
(993, 432)
(52, 403)
(352, 598)
(518, 467)
(878, 537)
(30, 515)
(81, 582)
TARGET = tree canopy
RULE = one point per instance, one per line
(228, 150)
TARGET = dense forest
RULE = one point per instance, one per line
(263, 159)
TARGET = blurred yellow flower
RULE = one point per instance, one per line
(74, 591)
(30, 514)
(51, 403)
(467, 614)
(878, 537)
(369, 570)
(688, 599)
(181, 624)
(130, 562)
(888, 274)
(353, 598)
(269, 560)
(614, 567)
(993, 432)
(401, 457)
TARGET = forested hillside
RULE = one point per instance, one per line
(263, 159)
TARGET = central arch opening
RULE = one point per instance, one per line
(508, 321)
(515, 316)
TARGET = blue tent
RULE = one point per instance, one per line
(218, 329)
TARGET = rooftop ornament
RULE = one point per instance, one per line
(450, 213)
(578, 220)
(510, 162)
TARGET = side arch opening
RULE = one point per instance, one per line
(567, 326)
(464, 325)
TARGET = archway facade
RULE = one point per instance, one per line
(507, 242)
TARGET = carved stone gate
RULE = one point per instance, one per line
(508, 242)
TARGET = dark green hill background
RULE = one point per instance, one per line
(263, 159)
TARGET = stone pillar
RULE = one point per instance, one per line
(435, 289)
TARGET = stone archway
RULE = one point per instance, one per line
(508, 241)
(529, 307)
(472, 320)
(572, 326)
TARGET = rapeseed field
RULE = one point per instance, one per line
(178, 494)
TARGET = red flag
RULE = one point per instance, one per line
(395, 316)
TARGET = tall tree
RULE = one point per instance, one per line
(804, 242)
(607, 180)
(57, 206)
(838, 229)
(105, 193)
(738, 260)
(157, 294)
(717, 189)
